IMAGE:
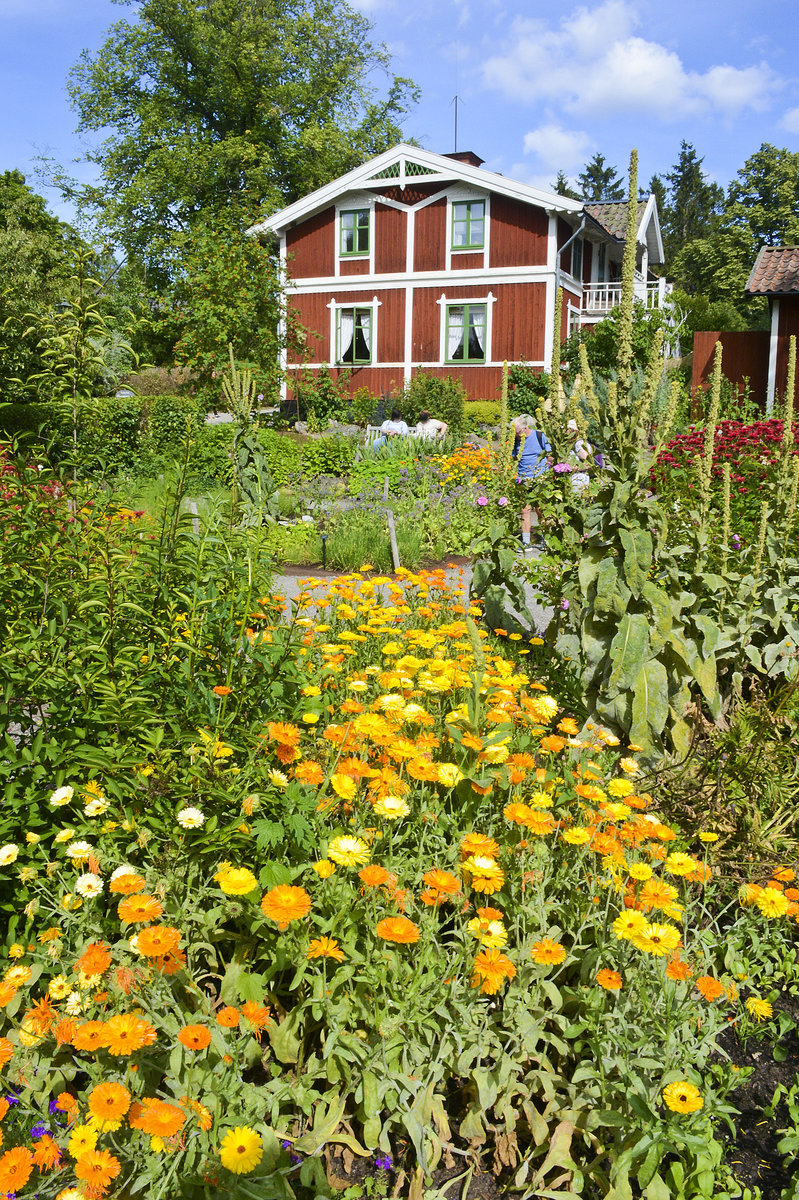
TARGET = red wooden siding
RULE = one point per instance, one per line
(314, 316)
(426, 325)
(788, 327)
(588, 251)
(744, 356)
(353, 266)
(518, 234)
(312, 245)
(381, 381)
(389, 234)
(430, 237)
(518, 321)
(391, 326)
(481, 383)
(467, 262)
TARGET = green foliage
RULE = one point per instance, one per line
(599, 182)
(363, 406)
(692, 204)
(601, 341)
(444, 398)
(527, 387)
(477, 413)
(327, 456)
(321, 396)
(278, 101)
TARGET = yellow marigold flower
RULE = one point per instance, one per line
(83, 1139)
(348, 851)
(619, 788)
(59, 987)
(680, 864)
(682, 1097)
(629, 925)
(577, 835)
(657, 939)
(761, 1010)
(241, 1150)
(235, 881)
(541, 799)
(548, 952)
(324, 868)
(325, 947)
(484, 873)
(772, 903)
(628, 765)
(392, 808)
(449, 774)
(542, 708)
(344, 786)
(492, 934)
(708, 837)
(277, 778)
(639, 871)
(748, 893)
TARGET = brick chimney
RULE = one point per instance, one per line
(466, 156)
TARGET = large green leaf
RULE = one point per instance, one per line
(628, 651)
(650, 706)
(637, 545)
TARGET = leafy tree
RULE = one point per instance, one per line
(599, 182)
(242, 103)
(692, 204)
(562, 187)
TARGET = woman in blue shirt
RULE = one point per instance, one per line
(533, 451)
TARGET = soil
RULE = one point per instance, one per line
(752, 1154)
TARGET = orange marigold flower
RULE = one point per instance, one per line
(65, 1102)
(91, 1035)
(195, 1037)
(553, 744)
(127, 1033)
(228, 1017)
(127, 884)
(517, 813)
(325, 947)
(785, 874)
(258, 1015)
(540, 823)
(47, 1155)
(158, 940)
(397, 929)
(204, 1118)
(95, 960)
(478, 844)
(423, 770)
(548, 951)
(97, 1168)
(709, 987)
(221, 690)
(4, 1106)
(611, 980)
(373, 876)
(170, 964)
(283, 732)
(491, 968)
(7, 993)
(310, 773)
(15, 1170)
(283, 904)
(442, 882)
(109, 1101)
(157, 1118)
(125, 979)
(137, 909)
(39, 1018)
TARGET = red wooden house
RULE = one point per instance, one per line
(776, 275)
(420, 261)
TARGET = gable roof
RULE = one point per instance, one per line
(405, 162)
(611, 216)
(775, 273)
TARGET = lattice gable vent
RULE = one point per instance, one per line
(404, 168)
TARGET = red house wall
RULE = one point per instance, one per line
(518, 234)
(430, 236)
(311, 246)
(390, 236)
(788, 327)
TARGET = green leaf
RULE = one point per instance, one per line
(627, 653)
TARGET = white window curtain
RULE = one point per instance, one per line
(346, 331)
(477, 332)
(365, 324)
(454, 333)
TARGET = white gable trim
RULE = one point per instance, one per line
(445, 169)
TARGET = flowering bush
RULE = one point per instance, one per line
(408, 905)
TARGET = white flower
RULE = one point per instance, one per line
(74, 1005)
(95, 808)
(133, 942)
(8, 854)
(125, 869)
(89, 885)
(277, 778)
(190, 818)
(79, 850)
(61, 796)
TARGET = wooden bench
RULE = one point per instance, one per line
(372, 434)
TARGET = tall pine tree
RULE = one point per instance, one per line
(599, 182)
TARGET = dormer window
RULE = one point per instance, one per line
(354, 232)
(468, 224)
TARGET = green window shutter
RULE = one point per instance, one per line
(354, 225)
(468, 224)
(465, 333)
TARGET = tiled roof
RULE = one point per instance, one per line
(775, 273)
(612, 216)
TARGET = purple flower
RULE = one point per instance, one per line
(503, 500)
(260, 396)
(52, 1108)
(564, 604)
(38, 1131)
(735, 541)
(482, 501)
(383, 1162)
(561, 468)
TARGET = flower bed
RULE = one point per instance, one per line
(414, 917)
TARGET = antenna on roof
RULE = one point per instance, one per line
(456, 100)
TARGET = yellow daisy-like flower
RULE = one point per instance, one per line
(657, 939)
(629, 925)
(680, 864)
(344, 786)
(639, 871)
(277, 778)
(772, 903)
(324, 868)
(83, 1139)
(577, 836)
(492, 934)
(761, 1010)
(449, 774)
(682, 1097)
(235, 881)
(628, 765)
(485, 874)
(325, 947)
(348, 851)
(241, 1150)
(59, 987)
(541, 799)
(708, 837)
(547, 952)
(619, 788)
(392, 808)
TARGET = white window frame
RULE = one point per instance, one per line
(461, 196)
(335, 308)
(445, 302)
(355, 202)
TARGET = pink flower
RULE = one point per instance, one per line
(482, 501)
(503, 500)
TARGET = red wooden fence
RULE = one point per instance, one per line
(744, 360)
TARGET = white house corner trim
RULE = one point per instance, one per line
(772, 355)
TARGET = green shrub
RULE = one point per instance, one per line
(299, 544)
(158, 381)
(527, 387)
(210, 457)
(282, 455)
(480, 412)
(49, 420)
(442, 398)
(327, 456)
(363, 407)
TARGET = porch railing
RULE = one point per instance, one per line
(602, 297)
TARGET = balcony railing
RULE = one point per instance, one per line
(599, 298)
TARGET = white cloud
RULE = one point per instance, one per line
(790, 120)
(558, 148)
(594, 64)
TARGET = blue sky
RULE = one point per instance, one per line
(543, 86)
